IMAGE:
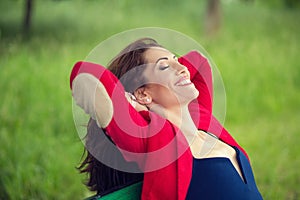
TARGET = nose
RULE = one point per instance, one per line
(181, 70)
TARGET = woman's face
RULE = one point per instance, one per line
(168, 81)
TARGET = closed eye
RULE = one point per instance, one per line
(163, 67)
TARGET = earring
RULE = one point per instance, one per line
(147, 100)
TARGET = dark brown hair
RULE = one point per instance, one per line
(102, 178)
(129, 64)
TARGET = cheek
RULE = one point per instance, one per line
(162, 78)
(164, 96)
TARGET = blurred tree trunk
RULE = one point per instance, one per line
(27, 16)
(213, 17)
(291, 3)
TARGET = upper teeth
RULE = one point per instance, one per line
(184, 82)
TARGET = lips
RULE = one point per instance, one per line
(183, 81)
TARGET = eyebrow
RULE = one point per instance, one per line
(164, 58)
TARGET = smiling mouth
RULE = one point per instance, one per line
(183, 82)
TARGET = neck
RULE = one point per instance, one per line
(181, 117)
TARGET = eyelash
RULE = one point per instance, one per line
(162, 67)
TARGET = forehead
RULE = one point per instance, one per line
(154, 53)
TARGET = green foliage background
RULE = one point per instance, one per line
(256, 51)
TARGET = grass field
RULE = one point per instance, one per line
(256, 51)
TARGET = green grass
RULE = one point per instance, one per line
(256, 52)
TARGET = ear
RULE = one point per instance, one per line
(142, 96)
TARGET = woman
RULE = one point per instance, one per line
(167, 129)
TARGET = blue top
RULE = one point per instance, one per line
(217, 178)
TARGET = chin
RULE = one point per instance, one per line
(189, 96)
(194, 95)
